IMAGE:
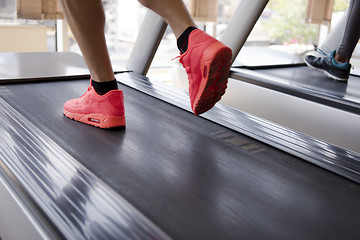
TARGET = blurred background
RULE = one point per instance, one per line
(285, 25)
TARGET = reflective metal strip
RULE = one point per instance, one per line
(338, 160)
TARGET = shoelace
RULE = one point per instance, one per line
(178, 57)
(325, 51)
(88, 90)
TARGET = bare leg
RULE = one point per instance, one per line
(174, 13)
(207, 69)
(87, 21)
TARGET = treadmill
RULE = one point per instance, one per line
(169, 174)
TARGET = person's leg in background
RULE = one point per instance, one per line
(351, 34)
(337, 66)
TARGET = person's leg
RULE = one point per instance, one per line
(337, 65)
(328, 66)
(351, 34)
(102, 105)
(174, 13)
(87, 21)
(206, 60)
(177, 16)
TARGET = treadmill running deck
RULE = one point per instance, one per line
(192, 178)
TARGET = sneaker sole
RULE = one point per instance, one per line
(215, 68)
(326, 73)
(97, 120)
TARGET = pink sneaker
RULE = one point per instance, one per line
(103, 111)
(207, 62)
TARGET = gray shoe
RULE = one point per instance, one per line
(329, 67)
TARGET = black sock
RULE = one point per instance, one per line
(103, 87)
(182, 41)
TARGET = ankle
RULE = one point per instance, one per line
(103, 87)
(341, 59)
(182, 41)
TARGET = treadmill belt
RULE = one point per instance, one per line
(192, 178)
(309, 79)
